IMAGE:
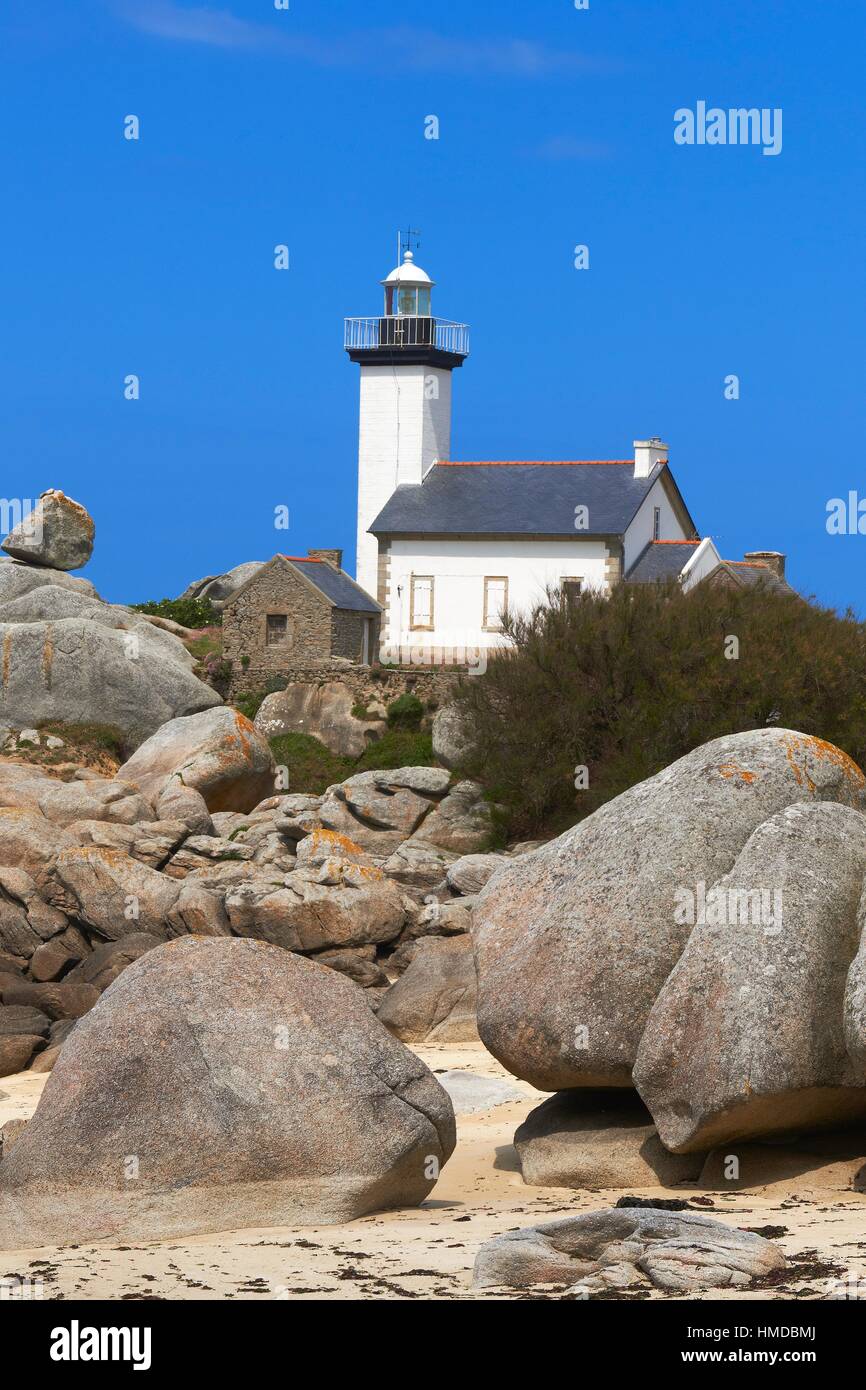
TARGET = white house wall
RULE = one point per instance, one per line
(705, 560)
(640, 531)
(459, 568)
(405, 425)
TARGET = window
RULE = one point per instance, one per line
(421, 602)
(571, 589)
(277, 630)
(406, 299)
(495, 602)
(657, 518)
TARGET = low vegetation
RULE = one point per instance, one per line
(189, 612)
(249, 702)
(594, 694)
(406, 712)
(99, 747)
(313, 767)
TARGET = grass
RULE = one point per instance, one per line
(104, 737)
(397, 748)
(209, 643)
(100, 747)
(313, 767)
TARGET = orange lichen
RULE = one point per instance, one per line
(7, 655)
(733, 770)
(332, 839)
(48, 656)
(825, 752)
(245, 727)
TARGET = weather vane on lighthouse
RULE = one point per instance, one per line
(405, 239)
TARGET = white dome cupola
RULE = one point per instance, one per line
(407, 289)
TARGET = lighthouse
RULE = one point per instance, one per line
(406, 356)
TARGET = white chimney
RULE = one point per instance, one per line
(647, 453)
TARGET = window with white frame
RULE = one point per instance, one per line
(421, 602)
(495, 601)
(657, 522)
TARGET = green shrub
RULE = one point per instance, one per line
(250, 701)
(206, 645)
(397, 748)
(189, 612)
(312, 766)
(623, 685)
(405, 712)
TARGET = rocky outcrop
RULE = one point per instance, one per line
(290, 1104)
(17, 579)
(747, 1035)
(598, 1139)
(324, 711)
(65, 655)
(624, 1247)
(434, 1000)
(217, 753)
(575, 941)
(358, 908)
(75, 670)
(57, 533)
(219, 587)
(53, 603)
(462, 823)
(471, 872)
(420, 867)
(452, 736)
(379, 810)
(111, 893)
(30, 789)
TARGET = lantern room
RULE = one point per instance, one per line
(407, 290)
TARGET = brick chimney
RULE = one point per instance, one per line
(334, 558)
(773, 559)
(647, 453)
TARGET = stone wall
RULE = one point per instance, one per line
(366, 683)
(276, 589)
(347, 633)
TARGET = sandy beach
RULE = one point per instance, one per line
(428, 1252)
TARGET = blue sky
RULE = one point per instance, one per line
(306, 127)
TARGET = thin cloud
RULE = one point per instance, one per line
(396, 49)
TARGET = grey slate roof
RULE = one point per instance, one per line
(750, 574)
(660, 560)
(336, 585)
(516, 499)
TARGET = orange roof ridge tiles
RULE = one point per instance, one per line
(675, 542)
(533, 463)
(303, 559)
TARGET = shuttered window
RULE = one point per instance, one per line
(495, 601)
(421, 601)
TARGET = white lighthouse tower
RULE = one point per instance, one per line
(406, 358)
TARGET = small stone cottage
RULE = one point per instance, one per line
(296, 612)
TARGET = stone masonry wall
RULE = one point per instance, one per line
(367, 683)
(347, 633)
(277, 590)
